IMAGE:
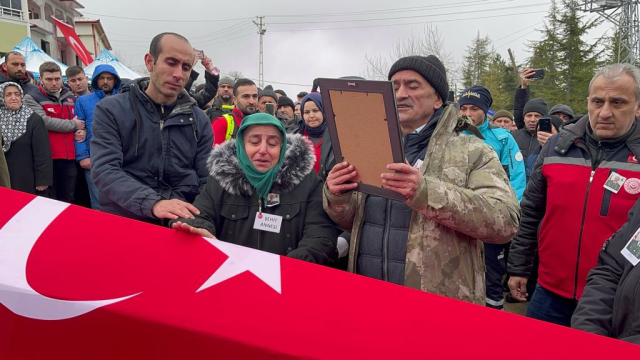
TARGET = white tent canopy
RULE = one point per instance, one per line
(107, 57)
(34, 56)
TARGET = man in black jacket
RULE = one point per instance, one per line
(14, 69)
(527, 137)
(151, 144)
(610, 303)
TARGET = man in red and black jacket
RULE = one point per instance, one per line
(582, 186)
(245, 98)
(55, 104)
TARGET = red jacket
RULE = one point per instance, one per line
(62, 144)
(567, 212)
(219, 126)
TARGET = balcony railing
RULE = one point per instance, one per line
(10, 13)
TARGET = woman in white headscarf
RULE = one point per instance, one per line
(25, 142)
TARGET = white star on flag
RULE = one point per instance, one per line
(263, 265)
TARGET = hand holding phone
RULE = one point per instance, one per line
(537, 74)
(544, 124)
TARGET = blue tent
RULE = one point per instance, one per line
(106, 57)
(34, 57)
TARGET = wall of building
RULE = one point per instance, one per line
(12, 34)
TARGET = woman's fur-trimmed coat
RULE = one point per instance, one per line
(228, 205)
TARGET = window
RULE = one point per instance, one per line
(59, 15)
(34, 12)
(11, 8)
(63, 55)
(44, 45)
(69, 21)
(48, 12)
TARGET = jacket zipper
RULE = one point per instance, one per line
(606, 197)
(510, 159)
(385, 243)
(259, 232)
(584, 214)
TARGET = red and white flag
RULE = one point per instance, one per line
(80, 284)
(74, 41)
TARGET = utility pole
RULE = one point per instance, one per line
(261, 30)
(624, 15)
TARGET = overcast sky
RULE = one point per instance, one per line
(299, 45)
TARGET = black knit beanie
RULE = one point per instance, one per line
(268, 91)
(285, 101)
(538, 105)
(429, 67)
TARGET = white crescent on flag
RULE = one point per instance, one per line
(17, 238)
(19, 235)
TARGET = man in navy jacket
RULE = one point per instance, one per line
(151, 143)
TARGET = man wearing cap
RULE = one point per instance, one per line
(223, 103)
(267, 95)
(286, 114)
(457, 196)
(475, 103)
(504, 119)
(563, 112)
(527, 137)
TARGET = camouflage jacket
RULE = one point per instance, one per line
(464, 199)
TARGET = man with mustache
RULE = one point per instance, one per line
(457, 196)
(105, 82)
(569, 210)
(14, 69)
(245, 98)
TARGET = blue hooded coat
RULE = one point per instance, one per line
(86, 103)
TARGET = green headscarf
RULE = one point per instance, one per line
(262, 181)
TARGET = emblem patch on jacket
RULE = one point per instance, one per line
(632, 186)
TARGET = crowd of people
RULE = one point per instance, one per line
(532, 202)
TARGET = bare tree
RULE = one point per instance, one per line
(430, 42)
(235, 75)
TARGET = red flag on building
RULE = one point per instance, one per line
(74, 41)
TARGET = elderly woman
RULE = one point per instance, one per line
(263, 194)
(25, 142)
(314, 127)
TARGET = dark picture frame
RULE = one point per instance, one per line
(363, 125)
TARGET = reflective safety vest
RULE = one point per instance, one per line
(231, 126)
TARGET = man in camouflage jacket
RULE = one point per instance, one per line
(457, 196)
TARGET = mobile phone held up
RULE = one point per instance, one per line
(537, 74)
(544, 124)
(270, 108)
(199, 53)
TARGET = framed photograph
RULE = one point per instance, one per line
(363, 125)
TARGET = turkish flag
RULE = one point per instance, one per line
(181, 296)
(74, 41)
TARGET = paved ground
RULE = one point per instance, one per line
(518, 308)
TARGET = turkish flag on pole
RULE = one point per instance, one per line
(74, 41)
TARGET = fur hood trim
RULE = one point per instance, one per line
(224, 166)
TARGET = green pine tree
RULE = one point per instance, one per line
(477, 60)
(499, 80)
(569, 61)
